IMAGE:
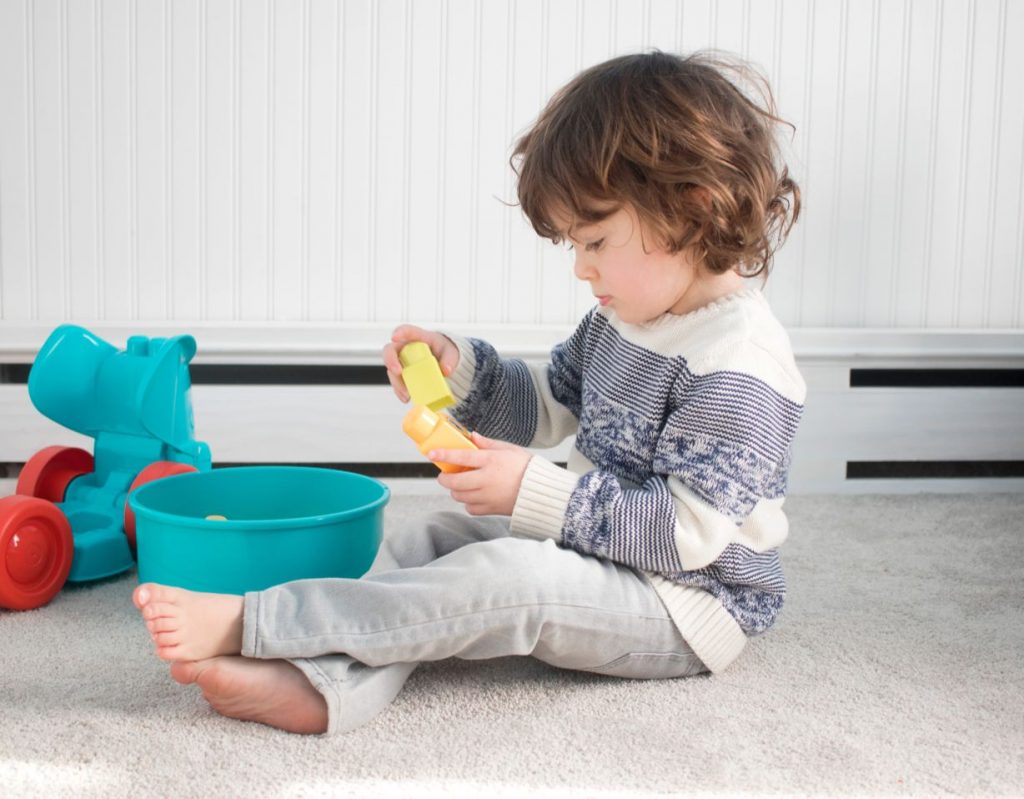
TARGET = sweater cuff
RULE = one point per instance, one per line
(544, 494)
(461, 380)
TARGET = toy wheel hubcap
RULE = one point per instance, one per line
(36, 549)
(29, 553)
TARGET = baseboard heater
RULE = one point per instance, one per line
(343, 375)
(855, 470)
(935, 378)
(319, 398)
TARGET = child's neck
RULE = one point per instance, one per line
(707, 288)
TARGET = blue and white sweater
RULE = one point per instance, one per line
(683, 431)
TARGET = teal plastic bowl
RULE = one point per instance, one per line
(282, 523)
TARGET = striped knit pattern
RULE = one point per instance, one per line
(654, 411)
(502, 402)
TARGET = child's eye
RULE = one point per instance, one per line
(594, 246)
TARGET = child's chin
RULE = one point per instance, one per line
(630, 318)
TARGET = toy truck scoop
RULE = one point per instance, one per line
(69, 519)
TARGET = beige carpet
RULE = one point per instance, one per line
(895, 670)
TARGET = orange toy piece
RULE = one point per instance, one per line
(436, 431)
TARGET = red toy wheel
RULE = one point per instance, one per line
(48, 473)
(152, 472)
(36, 549)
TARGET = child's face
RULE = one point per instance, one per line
(629, 270)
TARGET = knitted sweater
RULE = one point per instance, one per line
(683, 431)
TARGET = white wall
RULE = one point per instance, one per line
(286, 180)
(247, 161)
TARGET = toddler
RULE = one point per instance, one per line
(655, 553)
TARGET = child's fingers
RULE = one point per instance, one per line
(398, 385)
(447, 356)
(406, 334)
(389, 354)
(483, 442)
(465, 497)
(441, 346)
(444, 350)
(473, 458)
(393, 367)
(403, 334)
(461, 481)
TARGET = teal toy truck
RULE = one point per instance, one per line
(69, 520)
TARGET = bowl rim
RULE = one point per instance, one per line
(142, 511)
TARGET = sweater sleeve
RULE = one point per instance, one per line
(529, 404)
(722, 452)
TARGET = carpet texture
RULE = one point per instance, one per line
(895, 670)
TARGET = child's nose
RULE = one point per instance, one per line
(582, 269)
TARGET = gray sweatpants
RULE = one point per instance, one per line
(459, 586)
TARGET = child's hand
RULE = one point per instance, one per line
(493, 484)
(444, 350)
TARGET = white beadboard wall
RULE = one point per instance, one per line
(287, 179)
(210, 161)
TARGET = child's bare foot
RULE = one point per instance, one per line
(189, 625)
(272, 692)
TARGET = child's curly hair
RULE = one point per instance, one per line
(679, 141)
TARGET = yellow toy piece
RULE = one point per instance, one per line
(422, 375)
(436, 431)
(216, 517)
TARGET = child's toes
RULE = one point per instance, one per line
(167, 637)
(168, 651)
(154, 593)
(159, 610)
(163, 624)
(141, 595)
